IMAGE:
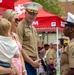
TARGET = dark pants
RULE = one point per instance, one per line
(30, 69)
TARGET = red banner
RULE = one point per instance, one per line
(6, 4)
(48, 22)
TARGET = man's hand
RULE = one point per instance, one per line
(37, 63)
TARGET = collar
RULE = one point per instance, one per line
(27, 25)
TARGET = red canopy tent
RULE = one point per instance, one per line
(6, 4)
(48, 22)
(45, 21)
(19, 8)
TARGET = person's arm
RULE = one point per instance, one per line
(4, 70)
(14, 70)
(23, 65)
(35, 64)
(20, 55)
(10, 70)
(49, 57)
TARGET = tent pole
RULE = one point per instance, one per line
(58, 60)
(47, 37)
(57, 41)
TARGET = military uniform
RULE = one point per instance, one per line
(28, 38)
(51, 54)
(67, 58)
(28, 34)
(40, 42)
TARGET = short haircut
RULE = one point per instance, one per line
(5, 26)
(45, 45)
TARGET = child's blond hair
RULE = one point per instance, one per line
(5, 26)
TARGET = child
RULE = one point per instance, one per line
(8, 46)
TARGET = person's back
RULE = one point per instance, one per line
(51, 59)
(8, 47)
(49, 55)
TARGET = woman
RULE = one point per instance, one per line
(12, 16)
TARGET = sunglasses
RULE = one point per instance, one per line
(17, 20)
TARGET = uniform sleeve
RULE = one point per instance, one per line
(71, 56)
(49, 56)
(36, 35)
(19, 32)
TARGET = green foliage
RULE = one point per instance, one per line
(52, 6)
(15, 0)
(73, 3)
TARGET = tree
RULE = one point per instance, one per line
(15, 0)
(52, 6)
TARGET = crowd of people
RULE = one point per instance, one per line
(22, 53)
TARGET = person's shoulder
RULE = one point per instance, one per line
(50, 49)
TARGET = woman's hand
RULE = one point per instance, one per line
(24, 72)
(13, 71)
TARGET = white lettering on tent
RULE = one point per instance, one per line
(20, 9)
(0, 1)
(62, 24)
(35, 23)
(53, 23)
